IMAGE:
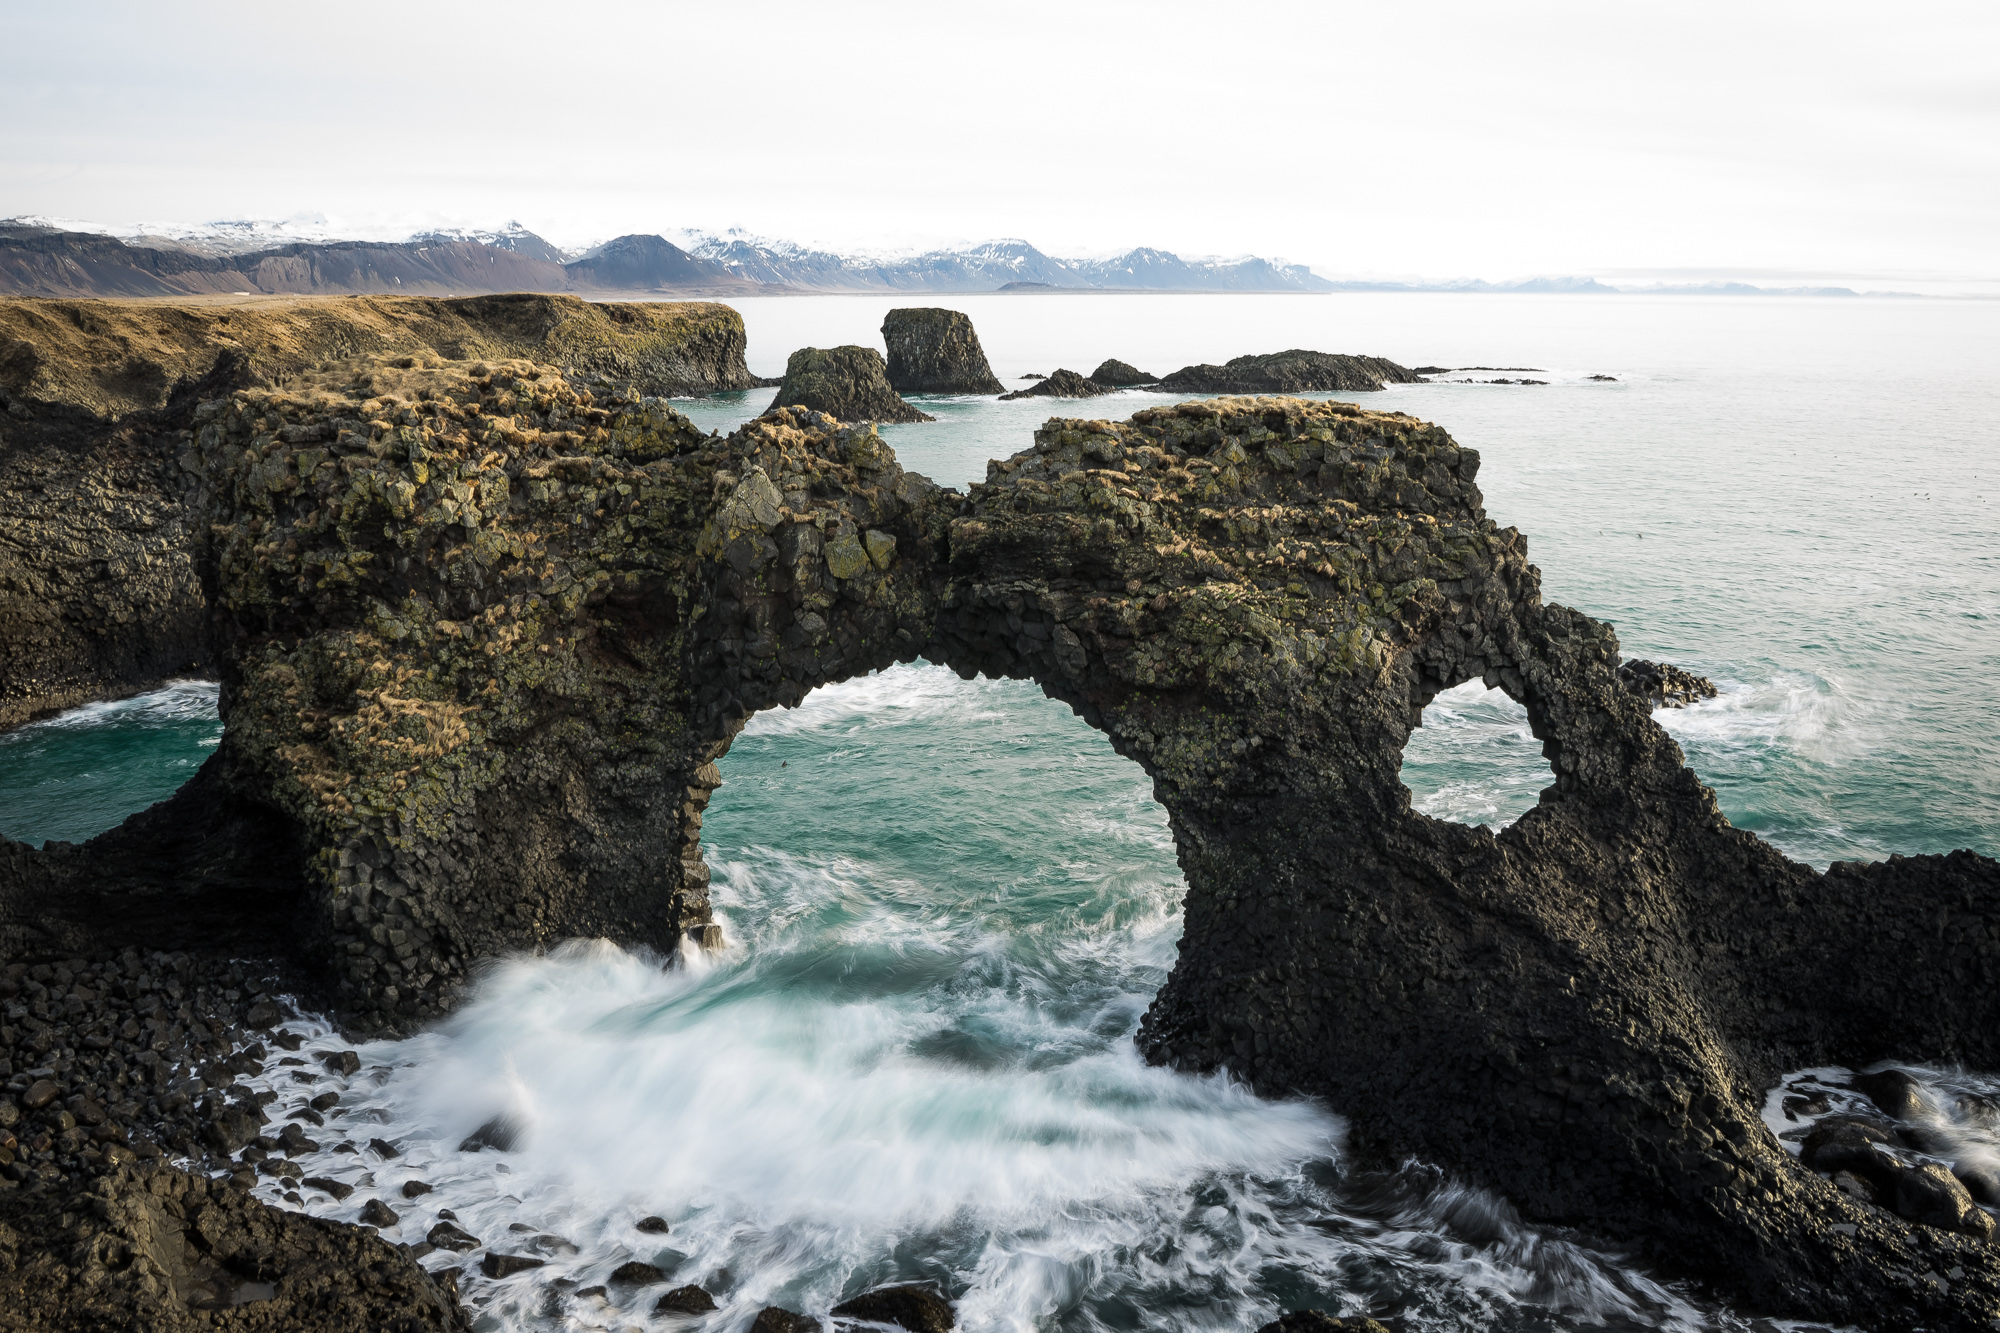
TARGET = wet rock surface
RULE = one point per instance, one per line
(117, 1065)
(482, 639)
(845, 383)
(1062, 384)
(1666, 686)
(1118, 375)
(917, 1308)
(1294, 371)
(935, 351)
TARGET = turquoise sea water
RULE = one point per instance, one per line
(947, 902)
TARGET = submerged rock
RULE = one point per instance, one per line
(935, 351)
(1062, 384)
(1295, 371)
(1319, 1321)
(1119, 375)
(846, 383)
(913, 1306)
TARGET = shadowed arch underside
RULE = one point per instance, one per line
(483, 638)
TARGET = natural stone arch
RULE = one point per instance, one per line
(482, 639)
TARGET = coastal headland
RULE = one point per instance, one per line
(484, 626)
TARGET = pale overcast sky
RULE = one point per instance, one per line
(1438, 138)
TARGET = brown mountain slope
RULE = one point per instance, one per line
(114, 357)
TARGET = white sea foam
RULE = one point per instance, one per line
(177, 701)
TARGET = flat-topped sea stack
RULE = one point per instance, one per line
(1062, 384)
(846, 383)
(935, 351)
(1295, 371)
(482, 638)
(1119, 375)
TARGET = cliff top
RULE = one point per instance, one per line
(115, 357)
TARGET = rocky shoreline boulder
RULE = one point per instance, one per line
(1295, 371)
(1062, 384)
(847, 383)
(935, 351)
(1118, 375)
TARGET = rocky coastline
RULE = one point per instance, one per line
(483, 632)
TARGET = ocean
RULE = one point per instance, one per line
(948, 902)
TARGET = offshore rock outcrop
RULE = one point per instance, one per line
(935, 351)
(1668, 686)
(846, 383)
(482, 640)
(1119, 375)
(1062, 384)
(1295, 371)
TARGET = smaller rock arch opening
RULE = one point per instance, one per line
(82, 772)
(1473, 758)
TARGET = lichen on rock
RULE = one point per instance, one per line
(935, 351)
(483, 639)
(845, 383)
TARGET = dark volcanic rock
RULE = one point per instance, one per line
(935, 351)
(1062, 384)
(1664, 685)
(915, 1307)
(1894, 1090)
(161, 1249)
(506, 1265)
(1319, 1321)
(1119, 375)
(652, 1225)
(1296, 371)
(685, 1300)
(846, 383)
(1254, 598)
(772, 1319)
(637, 1273)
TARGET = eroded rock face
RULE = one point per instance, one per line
(483, 646)
(845, 383)
(935, 351)
(1062, 384)
(1296, 371)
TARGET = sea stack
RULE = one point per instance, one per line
(1295, 371)
(846, 383)
(1118, 374)
(935, 351)
(1062, 384)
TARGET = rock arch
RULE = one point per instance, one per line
(482, 639)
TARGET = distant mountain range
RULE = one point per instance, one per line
(40, 258)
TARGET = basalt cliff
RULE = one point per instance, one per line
(483, 635)
(99, 587)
